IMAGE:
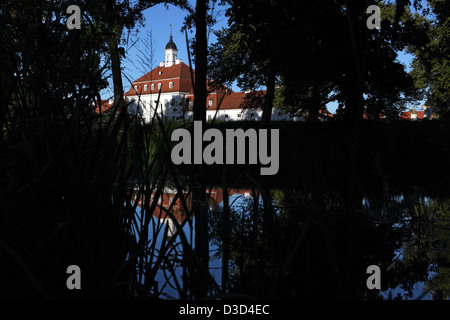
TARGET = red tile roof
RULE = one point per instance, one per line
(324, 111)
(178, 74)
(104, 106)
(180, 70)
(232, 101)
(226, 101)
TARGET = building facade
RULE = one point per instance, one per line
(167, 92)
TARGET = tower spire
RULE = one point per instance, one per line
(171, 51)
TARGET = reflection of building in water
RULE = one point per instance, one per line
(169, 206)
(414, 115)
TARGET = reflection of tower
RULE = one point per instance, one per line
(171, 51)
(171, 227)
(413, 114)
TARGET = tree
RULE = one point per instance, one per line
(199, 192)
(309, 70)
(431, 64)
(64, 171)
(113, 16)
(319, 51)
(200, 52)
(50, 78)
(250, 49)
(200, 18)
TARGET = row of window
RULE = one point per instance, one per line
(153, 86)
(166, 103)
(226, 116)
(210, 103)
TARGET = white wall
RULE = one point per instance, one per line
(171, 110)
(246, 114)
(168, 105)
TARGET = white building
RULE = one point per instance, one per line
(168, 91)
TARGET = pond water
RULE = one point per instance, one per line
(296, 251)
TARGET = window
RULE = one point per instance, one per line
(210, 103)
(252, 114)
(153, 86)
(226, 116)
(239, 115)
(209, 117)
(159, 86)
(145, 87)
(170, 85)
(135, 88)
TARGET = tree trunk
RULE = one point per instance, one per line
(199, 190)
(314, 104)
(117, 76)
(201, 53)
(226, 234)
(354, 82)
(268, 99)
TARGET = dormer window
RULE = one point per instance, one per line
(160, 73)
(210, 102)
(170, 85)
(159, 86)
(145, 87)
(136, 88)
(153, 86)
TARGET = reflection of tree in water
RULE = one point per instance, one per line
(430, 242)
(324, 252)
(246, 241)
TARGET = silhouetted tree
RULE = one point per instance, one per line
(430, 67)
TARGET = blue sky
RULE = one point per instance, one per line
(158, 19)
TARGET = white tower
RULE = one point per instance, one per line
(171, 51)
